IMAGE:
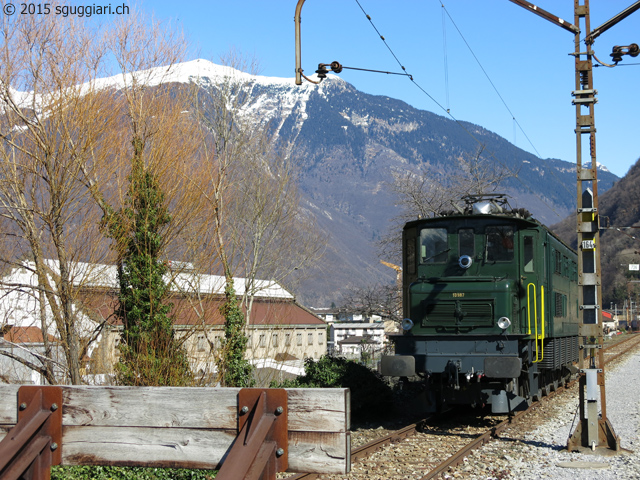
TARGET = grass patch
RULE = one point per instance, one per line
(129, 473)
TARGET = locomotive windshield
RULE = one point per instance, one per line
(499, 244)
(466, 242)
(433, 245)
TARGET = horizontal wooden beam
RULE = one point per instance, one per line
(187, 427)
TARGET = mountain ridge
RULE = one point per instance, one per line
(351, 143)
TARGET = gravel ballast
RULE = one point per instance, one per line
(541, 452)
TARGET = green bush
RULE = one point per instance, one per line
(371, 397)
(128, 473)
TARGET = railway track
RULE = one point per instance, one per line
(430, 448)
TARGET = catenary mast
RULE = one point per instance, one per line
(594, 429)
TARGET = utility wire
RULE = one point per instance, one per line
(448, 112)
(490, 81)
(620, 65)
(381, 36)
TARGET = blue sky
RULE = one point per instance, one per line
(526, 58)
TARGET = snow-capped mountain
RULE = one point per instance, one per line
(351, 143)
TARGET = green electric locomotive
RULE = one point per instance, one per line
(490, 297)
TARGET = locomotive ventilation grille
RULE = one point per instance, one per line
(464, 313)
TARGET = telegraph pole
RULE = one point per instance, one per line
(594, 430)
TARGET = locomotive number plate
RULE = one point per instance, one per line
(458, 295)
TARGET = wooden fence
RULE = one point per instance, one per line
(175, 427)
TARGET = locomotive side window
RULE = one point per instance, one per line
(558, 261)
(466, 242)
(410, 249)
(433, 245)
(528, 254)
(499, 244)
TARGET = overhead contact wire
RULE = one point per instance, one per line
(489, 78)
(446, 110)
(382, 38)
(446, 60)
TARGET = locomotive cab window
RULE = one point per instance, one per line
(466, 242)
(434, 247)
(499, 244)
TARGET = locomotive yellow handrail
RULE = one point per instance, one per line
(538, 332)
(542, 321)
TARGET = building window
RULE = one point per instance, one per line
(262, 341)
(287, 339)
(320, 338)
(202, 343)
(299, 339)
(274, 339)
(310, 338)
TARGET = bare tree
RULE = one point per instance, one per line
(424, 194)
(257, 226)
(68, 138)
(480, 175)
(382, 300)
(53, 124)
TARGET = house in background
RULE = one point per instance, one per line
(281, 335)
(341, 315)
(27, 344)
(351, 340)
(281, 332)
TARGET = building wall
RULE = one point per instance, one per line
(284, 344)
(12, 371)
(341, 331)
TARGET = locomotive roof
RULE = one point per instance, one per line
(447, 216)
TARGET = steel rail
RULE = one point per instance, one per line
(372, 446)
(458, 457)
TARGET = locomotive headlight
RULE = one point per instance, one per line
(504, 323)
(465, 261)
(407, 324)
